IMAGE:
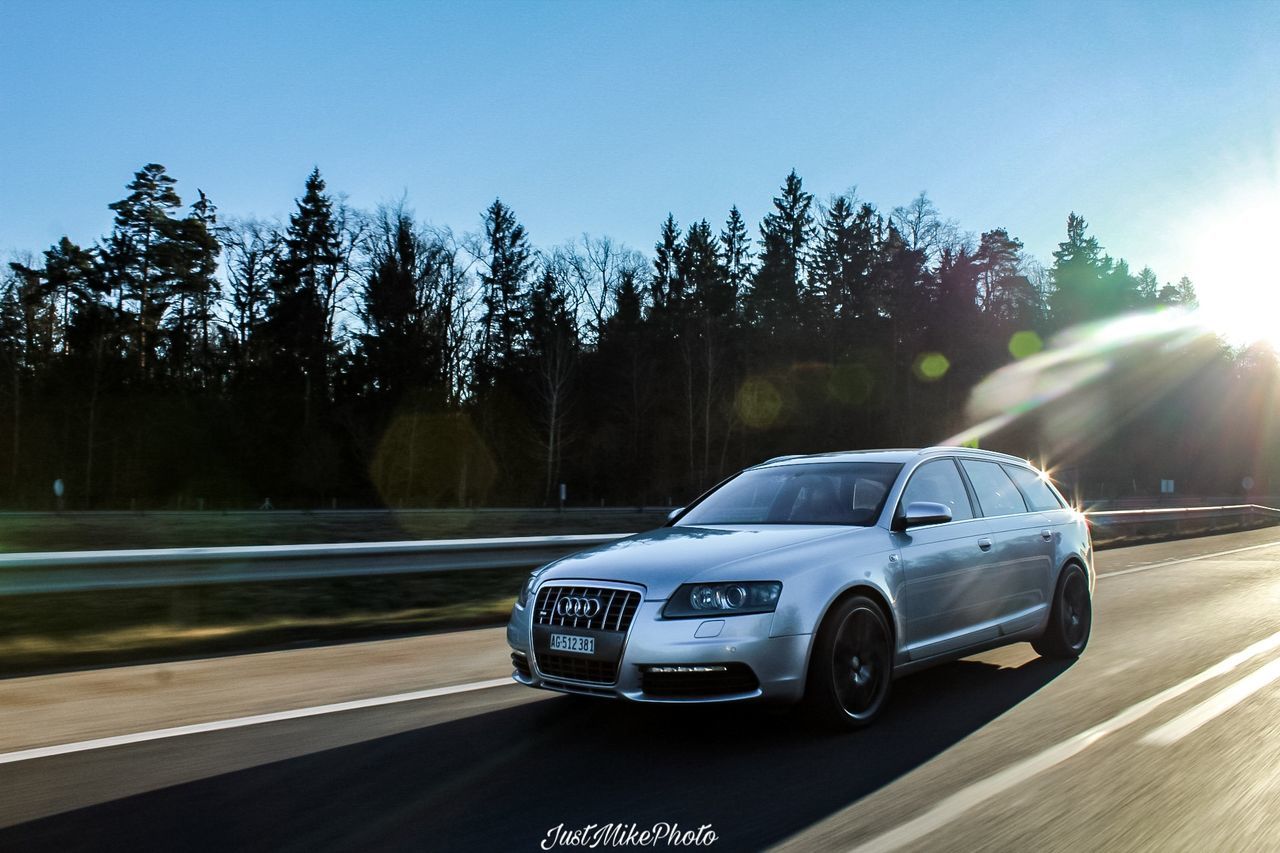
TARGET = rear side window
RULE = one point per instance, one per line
(939, 482)
(997, 495)
(1037, 492)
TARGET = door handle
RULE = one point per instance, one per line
(1046, 535)
(984, 543)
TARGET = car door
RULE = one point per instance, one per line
(1042, 498)
(942, 563)
(1015, 587)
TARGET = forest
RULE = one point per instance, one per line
(190, 359)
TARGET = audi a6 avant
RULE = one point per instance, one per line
(815, 579)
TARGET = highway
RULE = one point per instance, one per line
(1165, 735)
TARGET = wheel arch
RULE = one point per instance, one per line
(857, 588)
(1075, 560)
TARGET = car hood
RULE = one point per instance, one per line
(662, 559)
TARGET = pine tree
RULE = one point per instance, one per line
(401, 346)
(1187, 293)
(667, 287)
(703, 274)
(843, 255)
(1182, 293)
(1003, 291)
(507, 260)
(72, 279)
(196, 290)
(777, 295)
(735, 257)
(303, 284)
(1080, 272)
(143, 255)
(1148, 285)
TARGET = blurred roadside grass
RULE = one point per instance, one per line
(41, 632)
(75, 630)
(79, 531)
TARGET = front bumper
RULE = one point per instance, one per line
(777, 663)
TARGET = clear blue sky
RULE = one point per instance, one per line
(603, 117)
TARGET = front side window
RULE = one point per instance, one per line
(807, 493)
(997, 495)
(939, 482)
(1039, 496)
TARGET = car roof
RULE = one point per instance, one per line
(900, 456)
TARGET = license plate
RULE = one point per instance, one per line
(570, 643)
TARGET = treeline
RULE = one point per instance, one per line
(357, 358)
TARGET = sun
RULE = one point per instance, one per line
(1232, 246)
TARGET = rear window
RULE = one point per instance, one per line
(997, 495)
(808, 493)
(1037, 492)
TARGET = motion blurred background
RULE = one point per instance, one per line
(250, 348)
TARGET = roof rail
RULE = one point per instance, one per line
(944, 448)
(783, 458)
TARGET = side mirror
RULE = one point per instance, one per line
(671, 516)
(925, 512)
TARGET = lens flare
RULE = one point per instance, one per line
(1091, 379)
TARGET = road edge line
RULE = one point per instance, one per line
(240, 722)
(1179, 561)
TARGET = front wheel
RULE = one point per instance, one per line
(1067, 633)
(851, 667)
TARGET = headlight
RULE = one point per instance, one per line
(526, 590)
(723, 599)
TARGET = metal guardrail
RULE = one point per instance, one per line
(85, 571)
(81, 571)
(1180, 513)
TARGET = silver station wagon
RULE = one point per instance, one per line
(815, 579)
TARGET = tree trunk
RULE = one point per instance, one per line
(551, 446)
(93, 412)
(413, 443)
(17, 427)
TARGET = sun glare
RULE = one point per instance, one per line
(1232, 260)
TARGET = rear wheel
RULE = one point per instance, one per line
(1071, 619)
(851, 667)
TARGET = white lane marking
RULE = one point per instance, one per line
(238, 722)
(1011, 777)
(1216, 705)
(1182, 560)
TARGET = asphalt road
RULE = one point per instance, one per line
(1163, 736)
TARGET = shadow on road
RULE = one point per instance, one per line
(501, 780)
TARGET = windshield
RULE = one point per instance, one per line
(807, 493)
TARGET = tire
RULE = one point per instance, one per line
(851, 667)
(1071, 620)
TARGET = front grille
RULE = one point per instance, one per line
(521, 663)
(617, 609)
(687, 681)
(578, 668)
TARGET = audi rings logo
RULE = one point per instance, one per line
(581, 606)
